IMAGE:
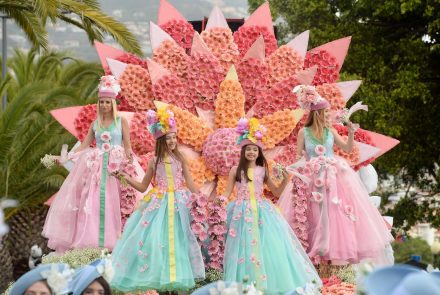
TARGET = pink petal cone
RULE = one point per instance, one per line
(366, 152)
(337, 48)
(116, 67)
(156, 70)
(256, 50)
(198, 45)
(299, 43)
(232, 74)
(66, 117)
(106, 51)
(383, 142)
(251, 112)
(216, 19)
(207, 116)
(50, 200)
(157, 36)
(348, 88)
(274, 152)
(167, 12)
(261, 17)
(306, 76)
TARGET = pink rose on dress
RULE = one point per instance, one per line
(106, 147)
(105, 136)
(317, 197)
(316, 167)
(320, 150)
(319, 182)
(349, 209)
(240, 260)
(232, 233)
(112, 167)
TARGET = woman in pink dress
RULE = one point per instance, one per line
(343, 226)
(86, 211)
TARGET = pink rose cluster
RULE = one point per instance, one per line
(245, 36)
(136, 87)
(332, 94)
(221, 151)
(278, 97)
(171, 89)
(253, 74)
(216, 230)
(199, 213)
(128, 194)
(82, 122)
(173, 57)
(205, 74)
(181, 31)
(142, 141)
(301, 194)
(221, 43)
(284, 63)
(328, 68)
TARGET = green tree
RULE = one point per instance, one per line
(37, 84)
(32, 15)
(395, 51)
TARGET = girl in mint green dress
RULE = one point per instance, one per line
(157, 249)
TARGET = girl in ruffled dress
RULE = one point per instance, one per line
(86, 210)
(260, 243)
(343, 225)
(158, 250)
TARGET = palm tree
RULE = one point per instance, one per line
(32, 15)
(36, 84)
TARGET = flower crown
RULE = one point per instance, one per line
(161, 123)
(309, 98)
(57, 279)
(108, 87)
(251, 132)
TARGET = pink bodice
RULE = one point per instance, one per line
(161, 175)
(243, 189)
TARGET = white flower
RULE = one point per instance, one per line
(106, 270)
(48, 161)
(58, 281)
(336, 200)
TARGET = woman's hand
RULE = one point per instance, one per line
(129, 154)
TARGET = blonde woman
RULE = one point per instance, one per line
(86, 211)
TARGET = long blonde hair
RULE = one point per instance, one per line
(99, 115)
(316, 120)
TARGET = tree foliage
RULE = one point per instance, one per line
(395, 51)
(37, 84)
(32, 15)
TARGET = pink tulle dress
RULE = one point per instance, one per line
(86, 211)
(343, 226)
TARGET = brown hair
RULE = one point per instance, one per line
(316, 118)
(103, 283)
(243, 164)
(160, 148)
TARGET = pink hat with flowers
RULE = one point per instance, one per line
(309, 98)
(108, 87)
(251, 132)
(161, 122)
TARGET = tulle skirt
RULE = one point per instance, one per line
(265, 249)
(155, 254)
(343, 225)
(86, 211)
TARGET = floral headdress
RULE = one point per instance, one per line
(251, 132)
(309, 98)
(108, 87)
(57, 275)
(161, 123)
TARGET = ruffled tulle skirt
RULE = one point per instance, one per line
(154, 253)
(265, 249)
(86, 211)
(343, 225)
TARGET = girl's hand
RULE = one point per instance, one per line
(129, 155)
(285, 174)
